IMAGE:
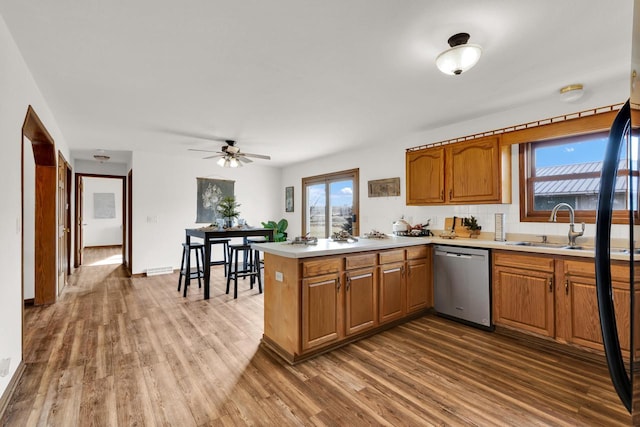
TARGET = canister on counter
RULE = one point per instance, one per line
(500, 234)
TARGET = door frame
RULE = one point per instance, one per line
(65, 192)
(79, 190)
(46, 179)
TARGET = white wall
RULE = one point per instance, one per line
(18, 90)
(164, 202)
(388, 161)
(97, 168)
(101, 231)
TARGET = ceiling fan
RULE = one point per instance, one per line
(231, 156)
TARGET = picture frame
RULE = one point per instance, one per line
(387, 187)
(288, 199)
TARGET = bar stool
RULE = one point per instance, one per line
(249, 241)
(225, 252)
(248, 268)
(185, 269)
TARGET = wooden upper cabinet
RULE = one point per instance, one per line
(477, 171)
(473, 171)
(425, 176)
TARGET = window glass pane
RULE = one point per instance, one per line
(341, 204)
(569, 158)
(556, 166)
(315, 215)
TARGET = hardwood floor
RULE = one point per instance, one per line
(121, 351)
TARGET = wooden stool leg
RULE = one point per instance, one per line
(235, 275)
(229, 270)
(181, 271)
(257, 257)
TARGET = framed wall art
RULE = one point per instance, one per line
(384, 187)
(288, 199)
(210, 192)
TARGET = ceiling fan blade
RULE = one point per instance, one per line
(244, 159)
(194, 135)
(212, 157)
(206, 151)
(257, 156)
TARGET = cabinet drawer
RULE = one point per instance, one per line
(619, 272)
(392, 256)
(321, 266)
(527, 262)
(415, 252)
(358, 261)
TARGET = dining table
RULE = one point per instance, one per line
(209, 233)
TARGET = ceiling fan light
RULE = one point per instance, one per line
(234, 163)
(460, 57)
(221, 161)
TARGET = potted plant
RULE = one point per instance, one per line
(279, 229)
(228, 209)
(471, 223)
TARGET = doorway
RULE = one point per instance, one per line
(39, 208)
(100, 214)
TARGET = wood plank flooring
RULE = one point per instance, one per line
(133, 352)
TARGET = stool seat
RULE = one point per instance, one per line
(249, 267)
(185, 267)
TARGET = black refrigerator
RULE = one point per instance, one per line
(621, 162)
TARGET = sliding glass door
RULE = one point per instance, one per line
(330, 204)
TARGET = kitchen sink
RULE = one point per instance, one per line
(544, 245)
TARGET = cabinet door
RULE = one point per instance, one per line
(524, 299)
(360, 300)
(579, 321)
(425, 176)
(473, 171)
(391, 292)
(419, 284)
(321, 310)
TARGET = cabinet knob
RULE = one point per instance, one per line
(348, 282)
(566, 287)
(338, 284)
(550, 284)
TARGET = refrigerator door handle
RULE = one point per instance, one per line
(619, 376)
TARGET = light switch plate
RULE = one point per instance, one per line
(279, 276)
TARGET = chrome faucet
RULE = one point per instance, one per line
(572, 233)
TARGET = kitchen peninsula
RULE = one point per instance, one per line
(319, 297)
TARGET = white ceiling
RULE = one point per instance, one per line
(299, 79)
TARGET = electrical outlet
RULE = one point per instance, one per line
(4, 367)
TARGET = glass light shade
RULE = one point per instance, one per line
(221, 161)
(234, 163)
(458, 59)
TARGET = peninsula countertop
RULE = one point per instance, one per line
(326, 247)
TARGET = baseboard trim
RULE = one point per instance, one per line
(11, 388)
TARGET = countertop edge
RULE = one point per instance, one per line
(327, 247)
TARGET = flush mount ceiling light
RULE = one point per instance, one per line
(101, 157)
(571, 93)
(461, 57)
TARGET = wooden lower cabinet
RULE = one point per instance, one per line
(419, 282)
(392, 292)
(319, 303)
(523, 293)
(577, 300)
(360, 300)
(321, 310)
(556, 297)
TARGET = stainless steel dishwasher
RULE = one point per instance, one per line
(461, 286)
